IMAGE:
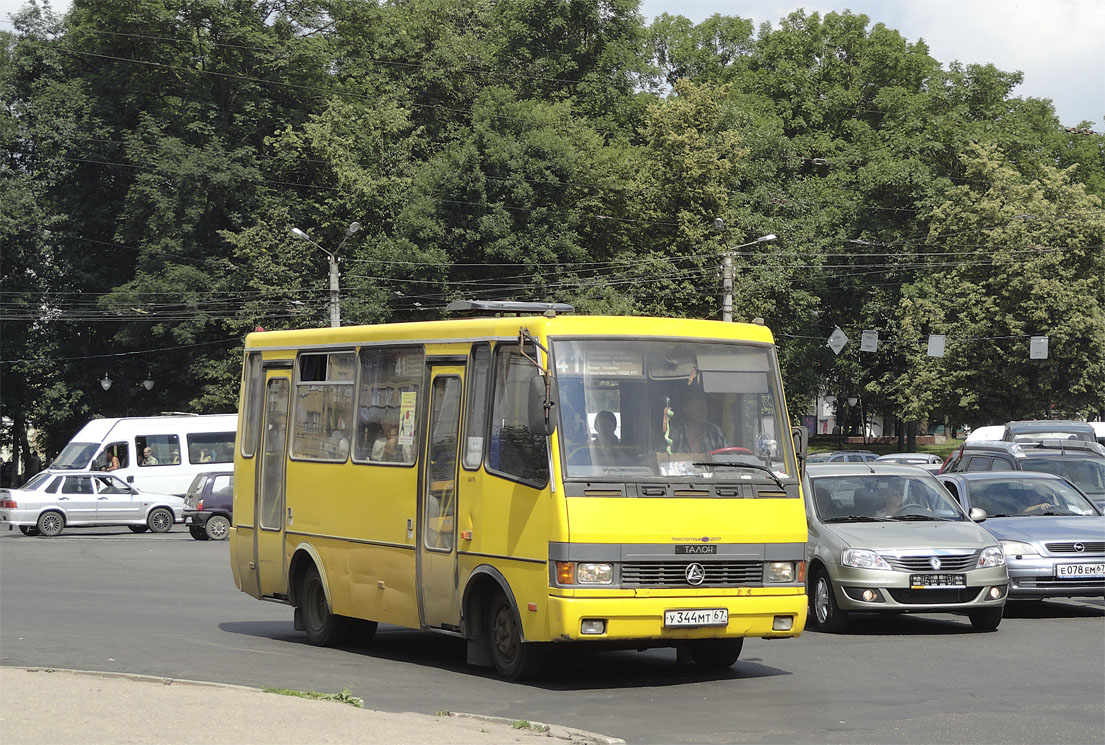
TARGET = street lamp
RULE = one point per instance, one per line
(727, 269)
(335, 308)
(105, 382)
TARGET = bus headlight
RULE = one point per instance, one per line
(780, 571)
(594, 574)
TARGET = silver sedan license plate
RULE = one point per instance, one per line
(696, 617)
(1080, 570)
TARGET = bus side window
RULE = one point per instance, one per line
(514, 450)
(478, 378)
(387, 404)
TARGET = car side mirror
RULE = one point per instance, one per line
(542, 404)
(977, 514)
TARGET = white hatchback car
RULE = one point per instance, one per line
(50, 501)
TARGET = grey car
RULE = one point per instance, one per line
(890, 538)
(1052, 534)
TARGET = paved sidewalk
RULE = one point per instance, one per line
(41, 706)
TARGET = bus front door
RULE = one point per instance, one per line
(437, 556)
(269, 496)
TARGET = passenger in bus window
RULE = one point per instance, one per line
(692, 431)
(387, 448)
(148, 458)
(607, 443)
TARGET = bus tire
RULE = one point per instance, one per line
(513, 658)
(324, 628)
(715, 654)
(50, 524)
(160, 520)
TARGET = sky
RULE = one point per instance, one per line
(1059, 45)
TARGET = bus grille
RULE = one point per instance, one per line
(673, 574)
(948, 563)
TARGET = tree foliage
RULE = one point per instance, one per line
(157, 154)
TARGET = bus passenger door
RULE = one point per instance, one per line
(269, 496)
(437, 556)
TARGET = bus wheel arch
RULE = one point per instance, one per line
(484, 582)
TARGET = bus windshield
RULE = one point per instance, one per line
(75, 456)
(671, 409)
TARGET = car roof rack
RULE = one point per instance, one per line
(507, 307)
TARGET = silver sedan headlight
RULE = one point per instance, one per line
(863, 558)
(1019, 548)
(991, 557)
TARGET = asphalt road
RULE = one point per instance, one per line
(166, 605)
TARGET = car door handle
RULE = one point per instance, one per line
(101, 498)
(63, 499)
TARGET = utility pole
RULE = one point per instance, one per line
(332, 256)
(727, 269)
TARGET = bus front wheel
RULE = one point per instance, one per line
(513, 658)
(715, 654)
(324, 629)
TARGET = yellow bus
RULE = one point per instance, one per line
(523, 478)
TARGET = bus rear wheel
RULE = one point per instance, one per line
(324, 629)
(513, 658)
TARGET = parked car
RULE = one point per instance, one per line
(51, 501)
(1099, 432)
(890, 538)
(927, 461)
(1076, 461)
(843, 456)
(209, 505)
(1038, 430)
(1052, 535)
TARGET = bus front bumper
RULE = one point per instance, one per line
(648, 618)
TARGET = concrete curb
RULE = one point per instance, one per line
(556, 731)
(552, 730)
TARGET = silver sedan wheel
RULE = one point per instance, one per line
(821, 607)
(160, 520)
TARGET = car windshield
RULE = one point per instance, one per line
(1041, 436)
(1015, 497)
(75, 456)
(1088, 474)
(880, 496)
(640, 409)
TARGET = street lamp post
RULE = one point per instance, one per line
(335, 293)
(727, 270)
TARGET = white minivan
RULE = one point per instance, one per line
(155, 453)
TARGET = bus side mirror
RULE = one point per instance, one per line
(801, 437)
(542, 404)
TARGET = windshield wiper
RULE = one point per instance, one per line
(735, 464)
(911, 517)
(852, 519)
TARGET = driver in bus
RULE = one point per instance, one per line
(692, 431)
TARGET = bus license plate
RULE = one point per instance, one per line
(698, 617)
(929, 581)
(1080, 570)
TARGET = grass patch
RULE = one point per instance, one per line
(345, 697)
(523, 724)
